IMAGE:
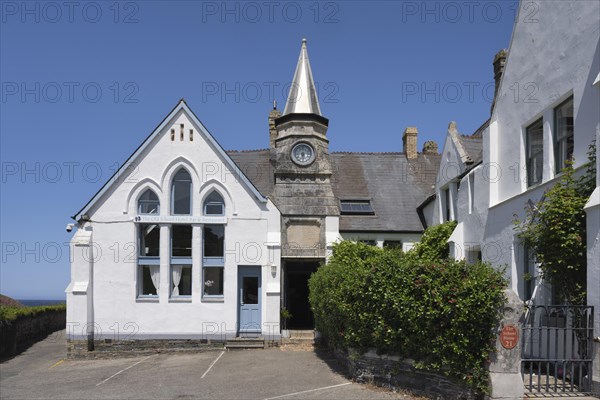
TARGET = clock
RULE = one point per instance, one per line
(303, 154)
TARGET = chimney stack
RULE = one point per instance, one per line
(409, 142)
(499, 61)
(430, 147)
(273, 115)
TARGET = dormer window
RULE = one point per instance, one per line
(181, 193)
(148, 203)
(214, 204)
(356, 207)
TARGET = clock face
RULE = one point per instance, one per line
(303, 154)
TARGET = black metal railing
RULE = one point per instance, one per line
(557, 349)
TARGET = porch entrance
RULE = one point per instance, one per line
(295, 299)
(557, 350)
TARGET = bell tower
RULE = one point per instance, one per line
(303, 169)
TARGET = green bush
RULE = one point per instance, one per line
(439, 312)
(13, 313)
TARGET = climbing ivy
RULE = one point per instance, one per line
(555, 230)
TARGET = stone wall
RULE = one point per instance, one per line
(16, 336)
(396, 373)
(107, 348)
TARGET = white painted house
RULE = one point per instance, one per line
(165, 248)
(193, 242)
(547, 110)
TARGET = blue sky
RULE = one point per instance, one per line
(83, 84)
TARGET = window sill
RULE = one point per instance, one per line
(146, 299)
(180, 299)
(215, 299)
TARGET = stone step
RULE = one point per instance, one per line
(245, 343)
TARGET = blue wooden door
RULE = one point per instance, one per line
(249, 299)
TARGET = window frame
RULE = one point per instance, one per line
(208, 202)
(559, 163)
(141, 242)
(142, 201)
(362, 202)
(213, 296)
(183, 266)
(529, 156)
(191, 192)
(140, 283)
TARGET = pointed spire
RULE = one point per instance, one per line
(302, 98)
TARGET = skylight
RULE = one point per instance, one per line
(356, 207)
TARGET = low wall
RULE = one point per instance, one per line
(107, 348)
(396, 373)
(19, 334)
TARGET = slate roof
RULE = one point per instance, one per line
(473, 146)
(395, 185)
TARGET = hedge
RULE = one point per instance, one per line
(439, 312)
(13, 313)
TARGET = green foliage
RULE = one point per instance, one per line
(439, 312)
(555, 230)
(13, 313)
(434, 242)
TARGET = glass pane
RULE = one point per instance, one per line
(214, 236)
(250, 290)
(181, 241)
(185, 284)
(149, 240)
(213, 209)
(213, 281)
(147, 285)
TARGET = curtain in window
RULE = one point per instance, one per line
(176, 277)
(155, 276)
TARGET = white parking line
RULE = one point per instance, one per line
(308, 391)
(124, 369)
(211, 365)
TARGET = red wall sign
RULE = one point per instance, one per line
(509, 336)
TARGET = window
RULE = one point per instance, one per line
(214, 236)
(471, 192)
(213, 281)
(529, 272)
(534, 141)
(148, 203)
(356, 207)
(149, 240)
(181, 241)
(148, 280)
(214, 204)
(447, 205)
(181, 280)
(393, 244)
(181, 193)
(564, 134)
(213, 260)
(369, 242)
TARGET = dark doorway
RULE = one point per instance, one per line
(296, 293)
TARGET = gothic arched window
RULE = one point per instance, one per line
(181, 193)
(148, 203)
(214, 204)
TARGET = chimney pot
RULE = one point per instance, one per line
(430, 147)
(499, 62)
(409, 142)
